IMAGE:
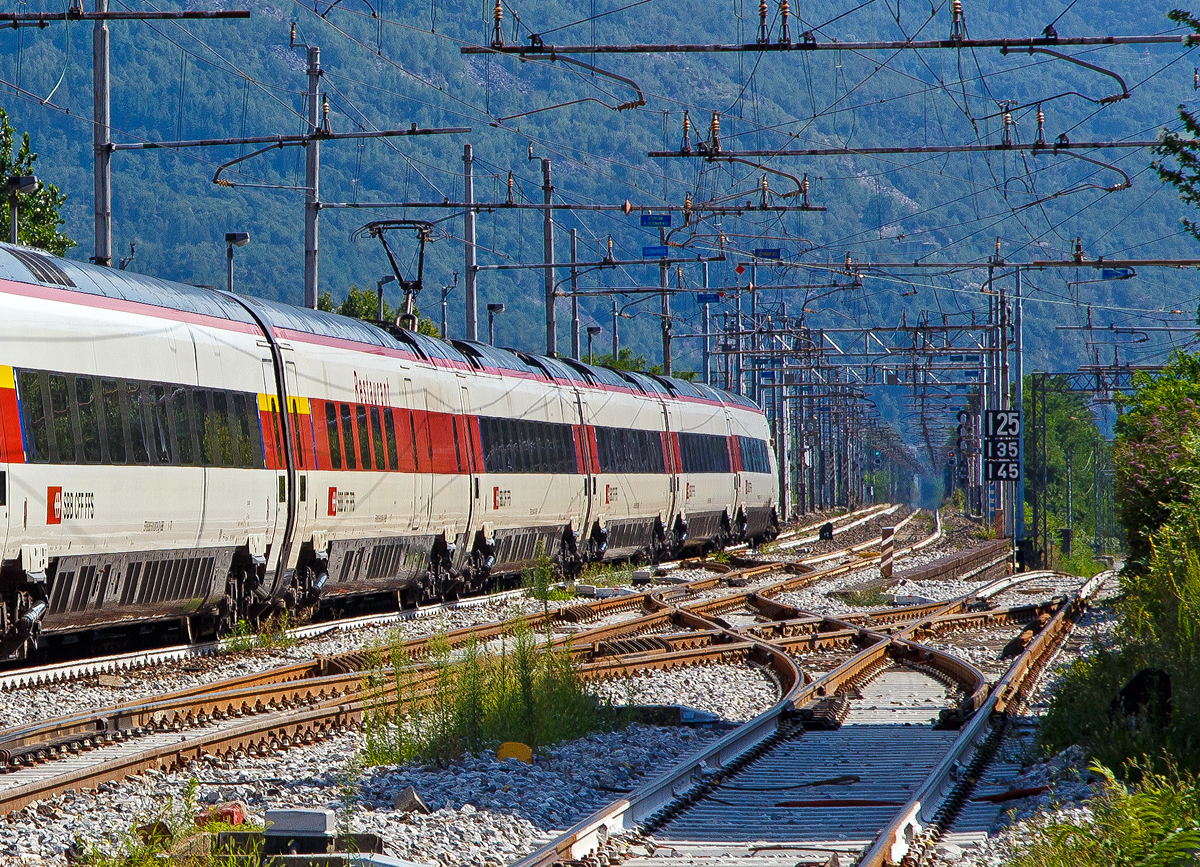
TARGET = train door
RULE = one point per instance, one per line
(466, 444)
(675, 502)
(303, 451)
(735, 464)
(417, 438)
(272, 427)
(590, 512)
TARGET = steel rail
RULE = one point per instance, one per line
(273, 695)
(924, 808)
(67, 671)
(589, 835)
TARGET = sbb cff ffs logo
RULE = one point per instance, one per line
(54, 505)
(340, 502)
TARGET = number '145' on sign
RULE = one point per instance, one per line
(1002, 471)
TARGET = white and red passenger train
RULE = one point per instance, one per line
(174, 453)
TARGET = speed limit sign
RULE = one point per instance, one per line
(1001, 445)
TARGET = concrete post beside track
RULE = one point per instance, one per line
(886, 551)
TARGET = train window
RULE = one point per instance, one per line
(183, 426)
(377, 434)
(161, 427)
(755, 455)
(348, 436)
(389, 423)
(204, 424)
(137, 426)
(64, 431)
(89, 423)
(543, 439)
(412, 432)
(110, 397)
(512, 446)
(364, 439)
(457, 448)
(33, 415)
(703, 453)
(331, 428)
(274, 422)
(299, 433)
(223, 447)
(244, 445)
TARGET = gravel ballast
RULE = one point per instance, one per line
(485, 811)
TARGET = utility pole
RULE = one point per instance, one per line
(666, 309)
(615, 340)
(312, 180)
(707, 336)
(102, 138)
(548, 252)
(574, 298)
(469, 244)
(1019, 372)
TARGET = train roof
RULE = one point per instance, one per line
(25, 265)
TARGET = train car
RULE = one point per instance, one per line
(178, 455)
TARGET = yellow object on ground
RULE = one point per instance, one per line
(514, 750)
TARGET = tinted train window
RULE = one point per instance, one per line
(60, 406)
(364, 440)
(703, 453)
(348, 436)
(412, 432)
(142, 422)
(626, 450)
(183, 426)
(377, 433)
(137, 428)
(159, 423)
(202, 415)
(244, 442)
(89, 423)
(389, 422)
(299, 433)
(331, 428)
(110, 396)
(755, 456)
(33, 417)
(513, 446)
(457, 448)
(224, 451)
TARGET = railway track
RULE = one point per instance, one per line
(66, 672)
(274, 710)
(874, 754)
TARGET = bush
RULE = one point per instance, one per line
(529, 693)
(1153, 462)
(1160, 617)
(1154, 823)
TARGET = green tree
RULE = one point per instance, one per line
(1183, 150)
(364, 304)
(1074, 445)
(624, 360)
(39, 218)
(1151, 457)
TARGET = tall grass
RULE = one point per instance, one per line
(1153, 824)
(527, 692)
